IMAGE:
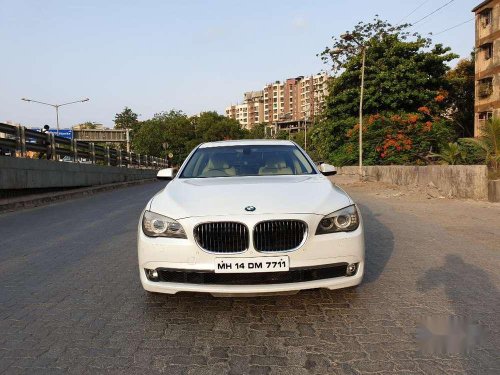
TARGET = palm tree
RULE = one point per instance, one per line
(489, 142)
(451, 153)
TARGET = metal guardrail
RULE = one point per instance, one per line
(19, 141)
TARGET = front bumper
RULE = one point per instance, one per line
(185, 255)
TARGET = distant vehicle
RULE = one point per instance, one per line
(6, 152)
(69, 159)
(250, 217)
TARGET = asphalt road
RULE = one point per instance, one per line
(71, 301)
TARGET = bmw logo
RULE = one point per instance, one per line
(250, 208)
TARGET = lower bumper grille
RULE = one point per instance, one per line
(292, 276)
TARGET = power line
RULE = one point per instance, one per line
(431, 13)
(413, 11)
(453, 27)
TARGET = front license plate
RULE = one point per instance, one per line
(251, 265)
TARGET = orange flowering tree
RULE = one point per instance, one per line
(396, 138)
(406, 96)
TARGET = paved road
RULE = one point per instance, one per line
(70, 298)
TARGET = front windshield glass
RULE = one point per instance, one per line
(250, 160)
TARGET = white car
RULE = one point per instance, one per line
(250, 217)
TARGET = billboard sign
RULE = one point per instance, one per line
(64, 133)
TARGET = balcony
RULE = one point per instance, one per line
(485, 87)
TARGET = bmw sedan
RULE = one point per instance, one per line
(250, 217)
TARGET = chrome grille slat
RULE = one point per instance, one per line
(222, 237)
(279, 235)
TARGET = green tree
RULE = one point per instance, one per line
(210, 126)
(403, 73)
(474, 153)
(460, 98)
(282, 134)
(400, 74)
(258, 131)
(393, 138)
(451, 153)
(127, 119)
(489, 143)
(87, 125)
(167, 132)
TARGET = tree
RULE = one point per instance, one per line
(392, 138)
(127, 119)
(451, 153)
(460, 98)
(404, 72)
(174, 132)
(167, 132)
(258, 131)
(210, 126)
(86, 125)
(489, 142)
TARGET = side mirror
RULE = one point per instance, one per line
(327, 169)
(165, 174)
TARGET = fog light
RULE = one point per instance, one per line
(152, 275)
(351, 269)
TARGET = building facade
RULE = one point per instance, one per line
(295, 99)
(487, 64)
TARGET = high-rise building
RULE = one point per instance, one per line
(487, 74)
(295, 99)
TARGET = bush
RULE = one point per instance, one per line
(473, 153)
(389, 138)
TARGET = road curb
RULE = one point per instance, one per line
(36, 200)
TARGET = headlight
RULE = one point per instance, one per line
(156, 225)
(344, 220)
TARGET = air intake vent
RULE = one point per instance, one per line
(222, 237)
(279, 235)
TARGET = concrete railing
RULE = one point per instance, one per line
(21, 173)
(18, 141)
(494, 191)
(460, 181)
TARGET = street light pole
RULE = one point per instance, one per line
(361, 112)
(362, 46)
(57, 119)
(305, 133)
(56, 106)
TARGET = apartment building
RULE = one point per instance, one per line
(294, 99)
(254, 100)
(487, 71)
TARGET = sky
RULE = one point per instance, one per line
(189, 55)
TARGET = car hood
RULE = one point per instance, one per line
(314, 194)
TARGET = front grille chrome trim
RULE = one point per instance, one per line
(292, 235)
(236, 237)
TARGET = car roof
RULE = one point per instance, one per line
(248, 142)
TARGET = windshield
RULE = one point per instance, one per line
(250, 160)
